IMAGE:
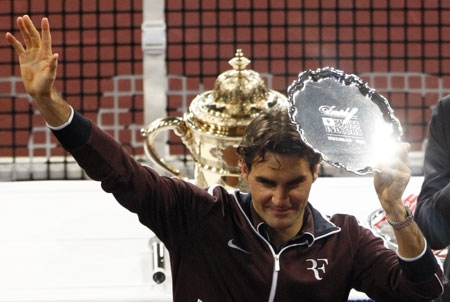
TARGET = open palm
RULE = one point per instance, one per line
(37, 62)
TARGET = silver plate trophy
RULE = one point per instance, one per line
(342, 118)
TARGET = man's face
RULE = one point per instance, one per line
(280, 188)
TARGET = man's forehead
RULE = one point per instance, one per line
(275, 160)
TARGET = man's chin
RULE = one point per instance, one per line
(279, 224)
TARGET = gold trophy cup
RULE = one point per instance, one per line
(213, 125)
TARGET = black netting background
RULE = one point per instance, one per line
(100, 54)
(399, 47)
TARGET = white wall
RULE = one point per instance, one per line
(70, 241)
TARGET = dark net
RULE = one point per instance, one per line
(398, 47)
(99, 74)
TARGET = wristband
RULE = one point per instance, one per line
(404, 223)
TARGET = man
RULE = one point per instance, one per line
(269, 245)
(433, 204)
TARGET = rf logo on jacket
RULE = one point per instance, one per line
(316, 268)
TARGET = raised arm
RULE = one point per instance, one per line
(390, 183)
(38, 66)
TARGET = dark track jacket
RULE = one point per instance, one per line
(433, 205)
(218, 252)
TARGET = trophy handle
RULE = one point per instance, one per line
(176, 124)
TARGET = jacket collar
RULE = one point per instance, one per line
(315, 226)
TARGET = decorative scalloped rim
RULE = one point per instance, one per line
(344, 79)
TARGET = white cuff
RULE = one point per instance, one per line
(415, 258)
(72, 112)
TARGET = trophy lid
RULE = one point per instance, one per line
(239, 95)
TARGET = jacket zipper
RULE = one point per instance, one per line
(277, 263)
(276, 257)
(276, 269)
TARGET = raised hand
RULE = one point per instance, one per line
(38, 69)
(391, 181)
(37, 62)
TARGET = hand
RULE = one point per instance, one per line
(390, 182)
(37, 62)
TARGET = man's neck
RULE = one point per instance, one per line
(277, 237)
(280, 238)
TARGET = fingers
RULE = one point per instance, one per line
(46, 37)
(389, 175)
(53, 63)
(29, 32)
(31, 36)
(35, 38)
(401, 162)
(24, 32)
(402, 151)
(398, 160)
(394, 174)
(398, 169)
(16, 44)
(390, 184)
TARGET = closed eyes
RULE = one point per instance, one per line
(271, 183)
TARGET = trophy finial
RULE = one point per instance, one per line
(239, 62)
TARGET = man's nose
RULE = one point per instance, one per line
(280, 197)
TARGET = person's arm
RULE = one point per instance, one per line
(433, 204)
(390, 182)
(170, 207)
(384, 276)
(38, 70)
(417, 271)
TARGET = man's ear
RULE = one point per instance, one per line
(316, 172)
(244, 170)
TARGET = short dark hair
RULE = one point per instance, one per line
(273, 131)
